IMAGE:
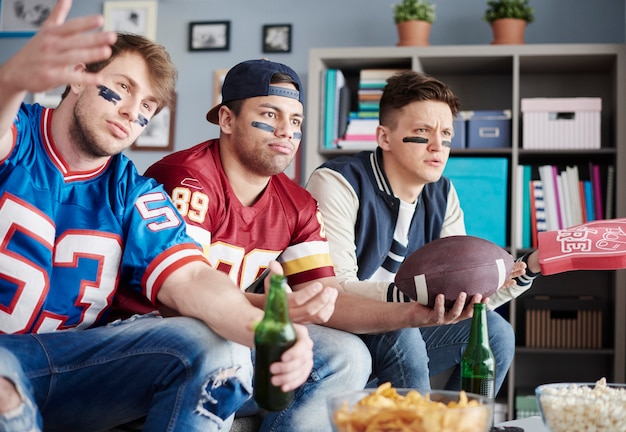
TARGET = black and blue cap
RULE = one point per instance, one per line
(252, 78)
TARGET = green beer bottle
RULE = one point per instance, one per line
(478, 365)
(272, 336)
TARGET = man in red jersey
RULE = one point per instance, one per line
(246, 212)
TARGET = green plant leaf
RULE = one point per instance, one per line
(497, 9)
(414, 10)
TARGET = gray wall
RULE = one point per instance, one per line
(331, 23)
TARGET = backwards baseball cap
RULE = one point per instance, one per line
(252, 78)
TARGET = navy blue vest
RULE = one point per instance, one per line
(378, 210)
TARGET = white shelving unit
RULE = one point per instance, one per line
(496, 77)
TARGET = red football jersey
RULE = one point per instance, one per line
(239, 240)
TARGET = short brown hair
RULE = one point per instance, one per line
(163, 72)
(409, 86)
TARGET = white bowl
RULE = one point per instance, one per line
(476, 418)
(598, 407)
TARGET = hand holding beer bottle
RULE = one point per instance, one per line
(272, 337)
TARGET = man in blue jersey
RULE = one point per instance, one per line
(77, 222)
(398, 192)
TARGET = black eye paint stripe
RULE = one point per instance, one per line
(141, 120)
(422, 140)
(268, 128)
(263, 126)
(109, 94)
(415, 139)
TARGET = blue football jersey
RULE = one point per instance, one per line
(69, 239)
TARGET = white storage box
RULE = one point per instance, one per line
(561, 123)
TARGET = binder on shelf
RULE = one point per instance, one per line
(538, 213)
(563, 200)
(610, 192)
(596, 182)
(572, 178)
(344, 110)
(329, 108)
(336, 107)
(553, 218)
(481, 184)
(522, 192)
(589, 204)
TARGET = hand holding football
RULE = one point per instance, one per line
(452, 265)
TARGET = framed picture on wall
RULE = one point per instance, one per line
(277, 38)
(159, 133)
(209, 36)
(22, 18)
(139, 17)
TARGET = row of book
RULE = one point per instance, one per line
(553, 198)
(349, 125)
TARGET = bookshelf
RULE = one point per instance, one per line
(497, 77)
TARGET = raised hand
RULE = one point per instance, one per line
(45, 61)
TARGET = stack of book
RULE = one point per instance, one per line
(360, 133)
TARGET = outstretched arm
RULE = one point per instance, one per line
(45, 62)
(199, 291)
(524, 272)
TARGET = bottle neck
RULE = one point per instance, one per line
(276, 304)
(479, 334)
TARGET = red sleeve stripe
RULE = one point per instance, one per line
(166, 263)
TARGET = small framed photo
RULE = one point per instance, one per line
(159, 133)
(50, 98)
(138, 17)
(277, 38)
(209, 36)
(22, 18)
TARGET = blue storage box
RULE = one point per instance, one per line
(482, 186)
(459, 140)
(489, 129)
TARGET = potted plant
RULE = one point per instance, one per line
(414, 19)
(508, 19)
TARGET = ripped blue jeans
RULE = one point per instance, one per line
(176, 371)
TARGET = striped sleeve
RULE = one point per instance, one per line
(522, 284)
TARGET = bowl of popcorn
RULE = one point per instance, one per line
(598, 407)
(386, 409)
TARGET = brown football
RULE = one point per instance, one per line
(451, 265)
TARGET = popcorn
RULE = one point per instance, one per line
(583, 408)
